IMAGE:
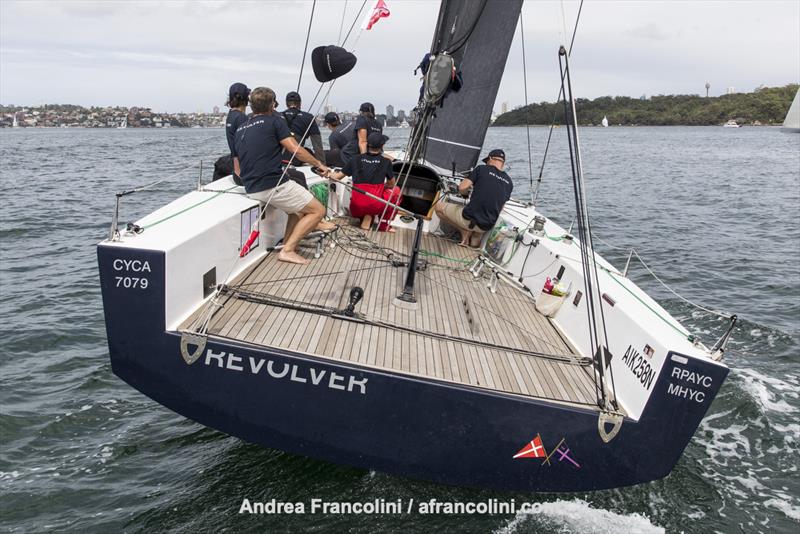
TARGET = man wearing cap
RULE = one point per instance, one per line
(491, 189)
(337, 140)
(372, 173)
(365, 125)
(302, 126)
(259, 143)
(237, 102)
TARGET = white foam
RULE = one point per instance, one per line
(792, 512)
(762, 388)
(578, 516)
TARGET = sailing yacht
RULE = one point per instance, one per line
(123, 124)
(532, 364)
(604, 122)
(792, 122)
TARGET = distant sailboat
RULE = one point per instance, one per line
(792, 122)
(731, 124)
(15, 124)
(124, 124)
(605, 122)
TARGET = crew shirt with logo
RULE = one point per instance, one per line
(491, 190)
(258, 145)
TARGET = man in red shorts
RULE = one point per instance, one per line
(372, 173)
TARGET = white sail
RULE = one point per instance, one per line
(605, 121)
(792, 121)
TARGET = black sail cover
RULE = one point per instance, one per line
(478, 34)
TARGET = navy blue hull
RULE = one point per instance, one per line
(389, 422)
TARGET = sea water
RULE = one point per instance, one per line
(713, 211)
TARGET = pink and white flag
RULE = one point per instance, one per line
(380, 11)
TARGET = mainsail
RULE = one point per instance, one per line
(478, 35)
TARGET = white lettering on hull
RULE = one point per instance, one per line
(294, 372)
(695, 379)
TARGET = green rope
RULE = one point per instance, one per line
(437, 255)
(320, 192)
(184, 210)
(612, 275)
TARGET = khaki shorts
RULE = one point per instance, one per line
(455, 216)
(289, 197)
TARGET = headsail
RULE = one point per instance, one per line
(478, 35)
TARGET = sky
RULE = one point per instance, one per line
(176, 56)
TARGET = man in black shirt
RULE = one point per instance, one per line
(238, 95)
(491, 189)
(365, 125)
(302, 126)
(259, 143)
(337, 140)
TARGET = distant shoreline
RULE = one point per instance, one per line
(763, 107)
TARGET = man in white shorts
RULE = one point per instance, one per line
(259, 143)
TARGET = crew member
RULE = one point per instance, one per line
(259, 143)
(237, 102)
(365, 125)
(372, 173)
(337, 139)
(491, 189)
(302, 126)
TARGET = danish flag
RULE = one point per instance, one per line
(380, 11)
(534, 449)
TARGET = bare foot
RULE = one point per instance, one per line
(325, 226)
(367, 227)
(292, 257)
(391, 230)
(463, 244)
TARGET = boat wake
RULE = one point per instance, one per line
(577, 515)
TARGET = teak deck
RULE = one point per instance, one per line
(506, 318)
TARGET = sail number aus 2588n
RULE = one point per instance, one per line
(639, 366)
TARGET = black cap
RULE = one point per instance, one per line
(366, 106)
(496, 153)
(293, 96)
(239, 89)
(332, 118)
(330, 62)
(376, 140)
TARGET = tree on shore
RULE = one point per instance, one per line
(767, 105)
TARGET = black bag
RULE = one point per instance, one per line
(224, 167)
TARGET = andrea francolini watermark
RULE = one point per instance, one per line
(382, 507)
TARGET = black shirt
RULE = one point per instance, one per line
(298, 121)
(235, 119)
(258, 145)
(491, 189)
(369, 169)
(340, 136)
(362, 123)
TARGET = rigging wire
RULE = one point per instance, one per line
(213, 300)
(355, 20)
(525, 84)
(305, 48)
(341, 24)
(555, 108)
(588, 260)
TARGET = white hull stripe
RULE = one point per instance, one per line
(454, 143)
